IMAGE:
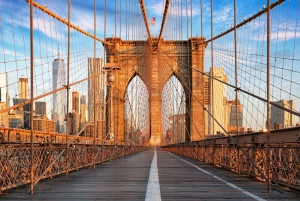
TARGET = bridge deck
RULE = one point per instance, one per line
(127, 179)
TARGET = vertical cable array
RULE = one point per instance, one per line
(136, 112)
(173, 115)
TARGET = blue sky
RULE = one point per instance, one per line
(82, 13)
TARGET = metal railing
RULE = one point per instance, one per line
(15, 160)
(284, 156)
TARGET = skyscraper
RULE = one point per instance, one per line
(23, 88)
(40, 108)
(4, 89)
(83, 108)
(27, 116)
(50, 126)
(83, 113)
(232, 113)
(43, 124)
(24, 111)
(75, 121)
(3, 116)
(99, 87)
(59, 100)
(280, 117)
(216, 101)
(231, 128)
(75, 101)
(16, 119)
(83, 99)
(40, 124)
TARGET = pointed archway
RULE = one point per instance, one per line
(136, 112)
(173, 112)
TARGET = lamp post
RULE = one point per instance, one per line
(171, 130)
(110, 69)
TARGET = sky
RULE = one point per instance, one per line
(82, 14)
(51, 37)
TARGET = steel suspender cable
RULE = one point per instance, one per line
(95, 67)
(31, 98)
(67, 117)
(236, 91)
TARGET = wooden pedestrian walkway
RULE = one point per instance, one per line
(127, 179)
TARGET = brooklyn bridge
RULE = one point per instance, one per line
(149, 100)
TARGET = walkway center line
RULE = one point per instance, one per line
(222, 180)
(153, 189)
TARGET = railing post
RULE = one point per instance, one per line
(31, 99)
(68, 90)
(268, 100)
(105, 116)
(236, 92)
(95, 91)
(212, 81)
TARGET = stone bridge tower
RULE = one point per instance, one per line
(155, 65)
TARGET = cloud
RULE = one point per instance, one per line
(278, 36)
(281, 32)
(19, 26)
(176, 7)
(83, 20)
(223, 15)
(47, 24)
(8, 52)
(285, 31)
(285, 35)
(283, 53)
(156, 9)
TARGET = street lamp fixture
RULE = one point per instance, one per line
(110, 69)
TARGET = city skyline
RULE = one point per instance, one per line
(218, 76)
(20, 117)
